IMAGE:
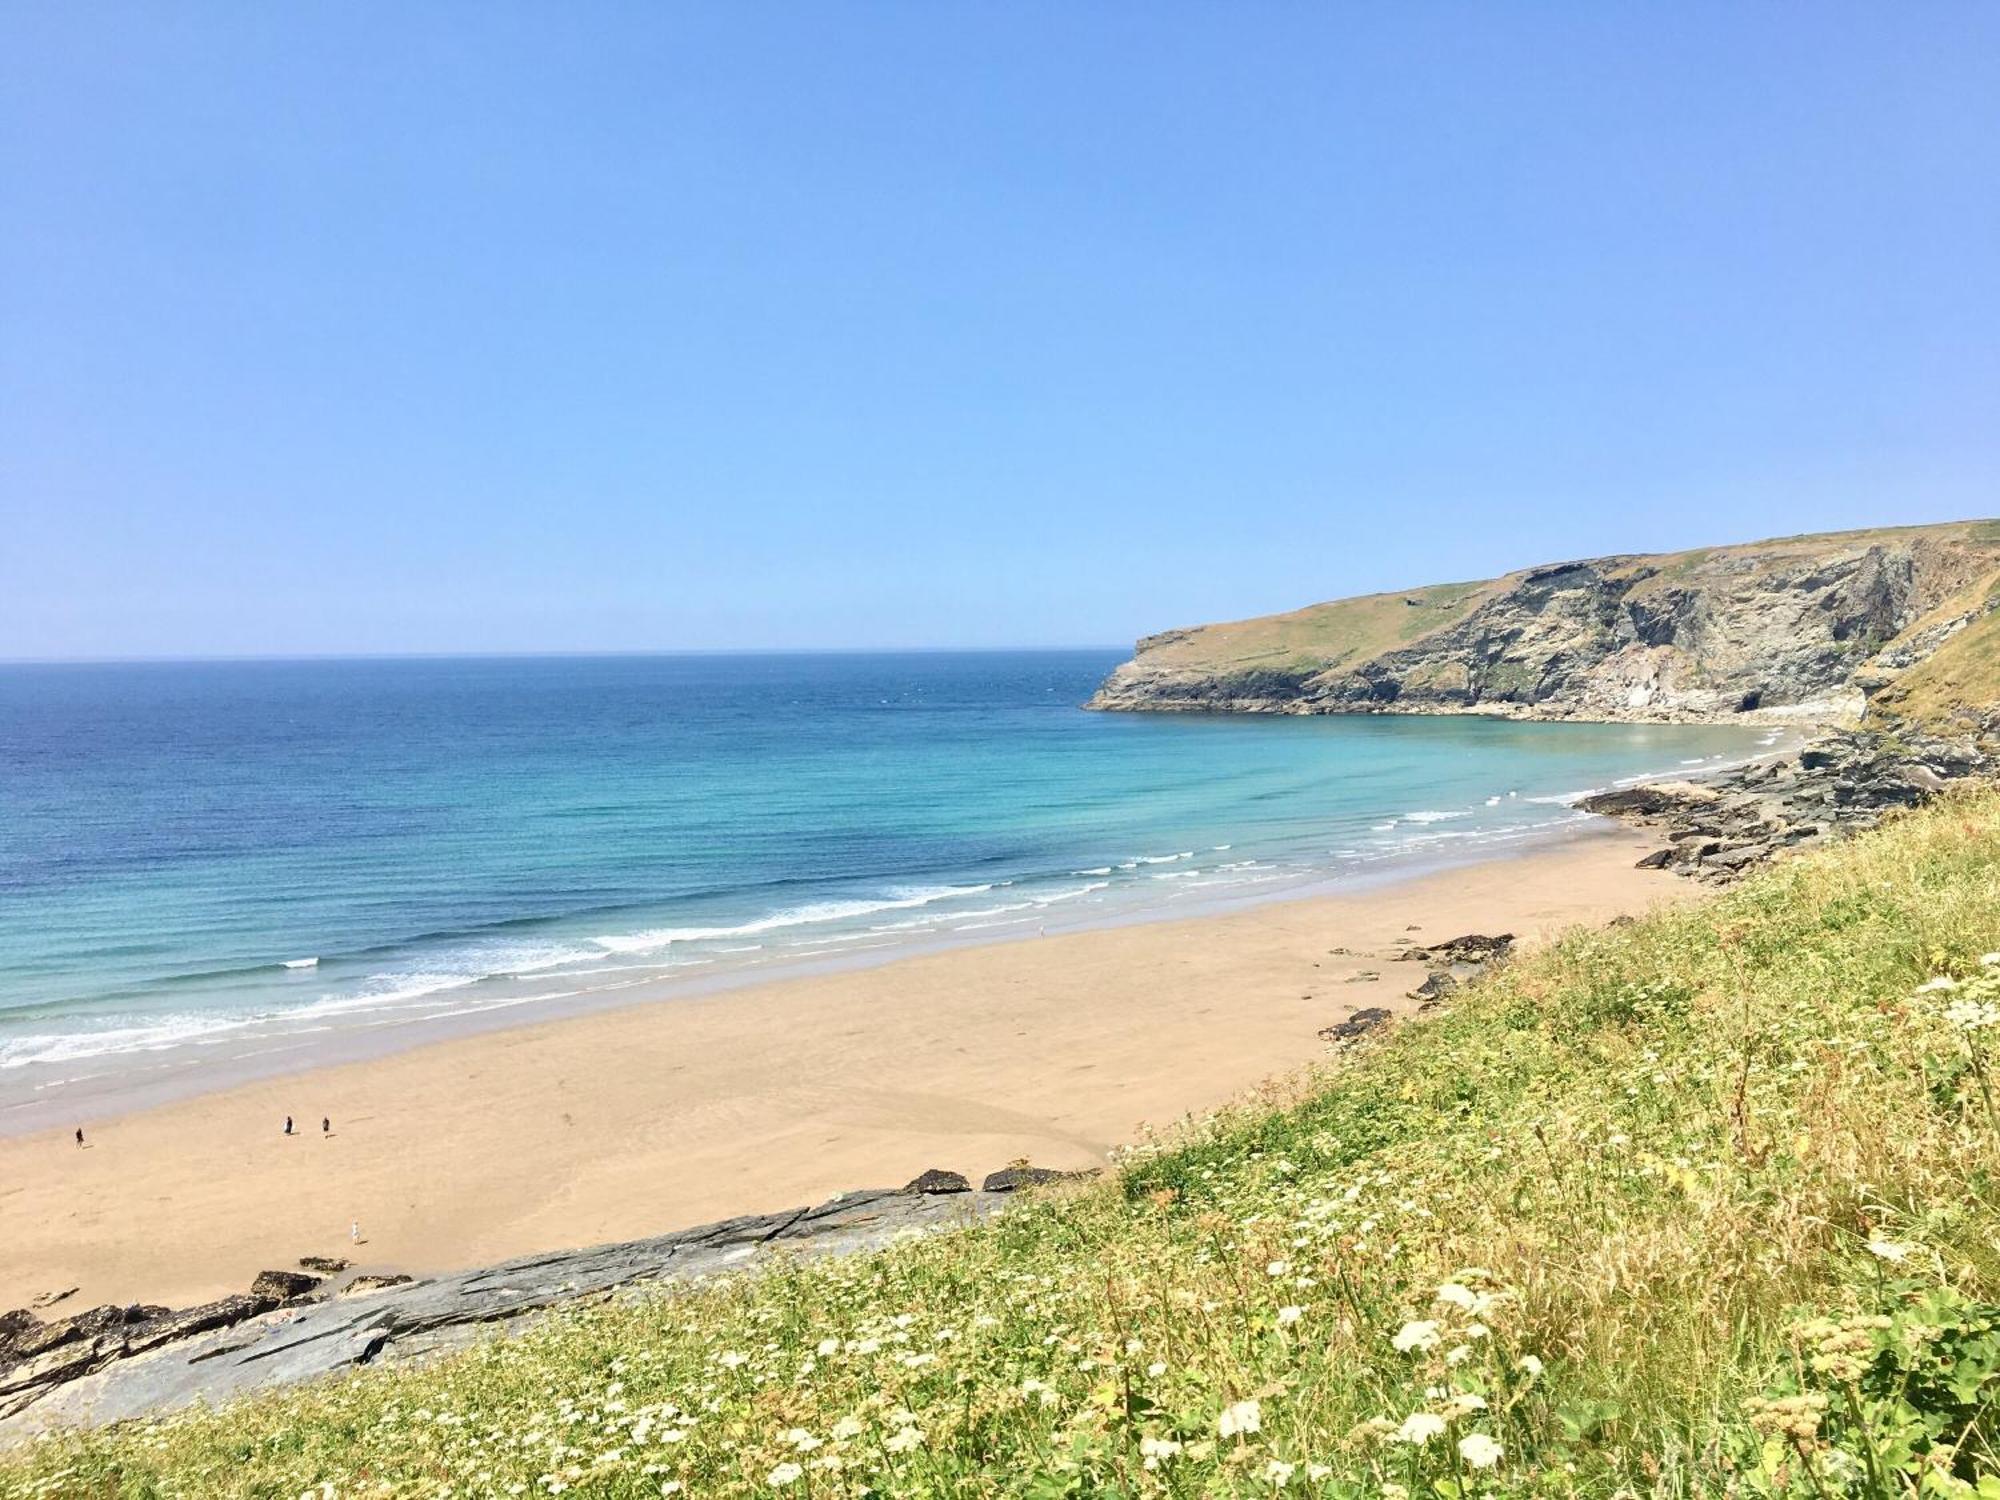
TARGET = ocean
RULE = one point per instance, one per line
(207, 866)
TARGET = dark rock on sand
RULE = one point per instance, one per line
(937, 1180)
(326, 1265)
(361, 1285)
(1659, 859)
(1359, 1024)
(282, 1286)
(1434, 988)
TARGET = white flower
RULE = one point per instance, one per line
(1479, 1450)
(784, 1474)
(1458, 1354)
(1942, 982)
(1290, 1315)
(1465, 1403)
(1458, 1296)
(1277, 1268)
(1533, 1365)
(1243, 1417)
(1278, 1472)
(730, 1359)
(1157, 1368)
(1416, 1337)
(1972, 1015)
(1988, 960)
(802, 1440)
(1156, 1451)
(1889, 1250)
(829, 1346)
(904, 1439)
(847, 1428)
(1419, 1428)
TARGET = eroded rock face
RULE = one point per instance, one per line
(1801, 627)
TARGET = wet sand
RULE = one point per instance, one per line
(657, 1116)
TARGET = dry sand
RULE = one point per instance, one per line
(636, 1121)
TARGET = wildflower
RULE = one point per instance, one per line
(802, 1440)
(1156, 1369)
(904, 1439)
(1458, 1296)
(1479, 1450)
(1972, 1015)
(1155, 1451)
(1794, 1417)
(847, 1428)
(1419, 1428)
(1417, 1336)
(1889, 1250)
(729, 1359)
(1242, 1418)
(1278, 1268)
(1290, 1315)
(1931, 986)
(786, 1473)
(828, 1346)
(1465, 1403)
(1458, 1354)
(1988, 960)
(1533, 1365)
(1278, 1472)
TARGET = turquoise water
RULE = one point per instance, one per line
(205, 861)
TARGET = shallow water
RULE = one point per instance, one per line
(236, 855)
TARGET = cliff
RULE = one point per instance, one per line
(1810, 627)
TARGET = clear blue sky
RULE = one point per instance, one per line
(356, 327)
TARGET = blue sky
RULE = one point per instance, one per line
(563, 327)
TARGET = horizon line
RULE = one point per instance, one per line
(586, 654)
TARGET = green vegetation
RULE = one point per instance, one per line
(1702, 1204)
(1963, 672)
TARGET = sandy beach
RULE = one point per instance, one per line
(657, 1116)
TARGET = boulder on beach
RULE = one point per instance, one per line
(937, 1180)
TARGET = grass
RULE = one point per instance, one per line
(1964, 670)
(1701, 1204)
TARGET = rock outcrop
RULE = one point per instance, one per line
(115, 1363)
(1844, 781)
(1803, 628)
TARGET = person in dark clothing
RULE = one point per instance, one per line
(79, 1137)
(326, 1125)
(288, 1124)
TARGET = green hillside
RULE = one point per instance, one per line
(1699, 1205)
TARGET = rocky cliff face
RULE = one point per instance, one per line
(1806, 627)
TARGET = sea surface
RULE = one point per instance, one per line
(203, 862)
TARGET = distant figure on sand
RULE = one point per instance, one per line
(79, 1138)
(354, 1232)
(326, 1125)
(288, 1124)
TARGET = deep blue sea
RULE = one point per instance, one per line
(213, 860)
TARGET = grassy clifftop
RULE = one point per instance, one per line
(1696, 1205)
(1799, 623)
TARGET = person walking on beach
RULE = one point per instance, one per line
(325, 1126)
(79, 1137)
(288, 1124)
(354, 1232)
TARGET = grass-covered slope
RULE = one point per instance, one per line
(1697, 1205)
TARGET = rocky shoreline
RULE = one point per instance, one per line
(1718, 827)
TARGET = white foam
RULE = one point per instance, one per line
(1427, 815)
(798, 916)
(302, 963)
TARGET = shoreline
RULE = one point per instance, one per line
(627, 1121)
(125, 1082)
